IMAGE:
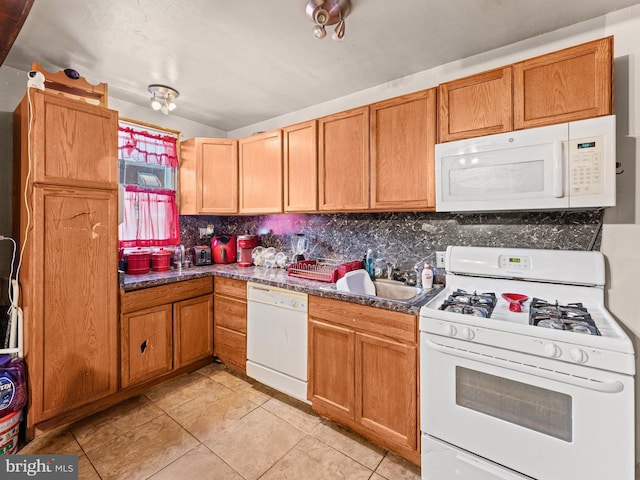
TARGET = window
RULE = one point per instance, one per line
(147, 169)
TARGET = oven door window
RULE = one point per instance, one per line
(535, 408)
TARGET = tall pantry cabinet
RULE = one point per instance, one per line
(65, 207)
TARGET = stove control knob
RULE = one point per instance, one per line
(450, 330)
(467, 333)
(578, 355)
(552, 350)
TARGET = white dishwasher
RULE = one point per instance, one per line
(277, 338)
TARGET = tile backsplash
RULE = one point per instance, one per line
(406, 238)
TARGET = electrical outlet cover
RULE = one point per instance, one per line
(440, 259)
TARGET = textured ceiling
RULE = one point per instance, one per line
(239, 62)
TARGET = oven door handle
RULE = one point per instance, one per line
(596, 385)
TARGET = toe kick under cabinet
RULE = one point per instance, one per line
(165, 328)
(363, 371)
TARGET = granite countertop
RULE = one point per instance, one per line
(271, 276)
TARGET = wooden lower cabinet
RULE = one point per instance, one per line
(363, 372)
(164, 328)
(147, 344)
(193, 323)
(230, 322)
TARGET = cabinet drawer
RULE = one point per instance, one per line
(231, 287)
(173, 292)
(230, 346)
(400, 326)
(230, 313)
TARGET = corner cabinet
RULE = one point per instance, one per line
(209, 176)
(403, 138)
(363, 371)
(301, 167)
(343, 161)
(567, 85)
(230, 322)
(69, 277)
(261, 173)
(477, 105)
(165, 328)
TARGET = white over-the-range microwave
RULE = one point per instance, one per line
(564, 166)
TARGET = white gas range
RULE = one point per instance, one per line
(546, 392)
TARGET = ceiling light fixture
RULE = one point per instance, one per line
(163, 98)
(328, 12)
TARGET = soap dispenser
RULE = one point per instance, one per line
(427, 276)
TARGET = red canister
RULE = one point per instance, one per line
(138, 262)
(160, 260)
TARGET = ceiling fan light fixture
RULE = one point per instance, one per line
(328, 12)
(163, 98)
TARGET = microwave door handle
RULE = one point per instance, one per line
(558, 179)
(603, 387)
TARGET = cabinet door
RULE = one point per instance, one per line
(193, 325)
(477, 105)
(261, 173)
(147, 344)
(70, 298)
(343, 161)
(74, 143)
(209, 176)
(331, 367)
(301, 167)
(571, 84)
(386, 389)
(403, 137)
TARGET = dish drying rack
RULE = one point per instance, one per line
(322, 269)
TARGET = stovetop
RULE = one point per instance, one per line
(586, 332)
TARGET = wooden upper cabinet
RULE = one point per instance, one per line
(476, 105)
(403, 137)
(301, 167)
(74, 143)
(343, 161)
(261, 173)
(209, 176)
(571, 84)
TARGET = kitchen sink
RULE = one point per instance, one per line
(388, 290)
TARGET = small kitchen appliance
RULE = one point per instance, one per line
(246, 244)
(555, 377)
(224, 248)
(201, 255)
(299, 245)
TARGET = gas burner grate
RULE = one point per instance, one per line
(573, 317)
(475, 304)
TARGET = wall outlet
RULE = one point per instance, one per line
(439, 259)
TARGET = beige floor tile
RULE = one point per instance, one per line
(179, 391)
(293, 411)
(143, 451)
(211, 368)
(394, 467)
(211, 412)
(199, 464)
(248, 388)
(60, 440)
(349, 443)
(312, 459)
(375, 476)
(254, 443)
(86, 470)
(104, 427)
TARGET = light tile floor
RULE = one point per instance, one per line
(216, 424)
